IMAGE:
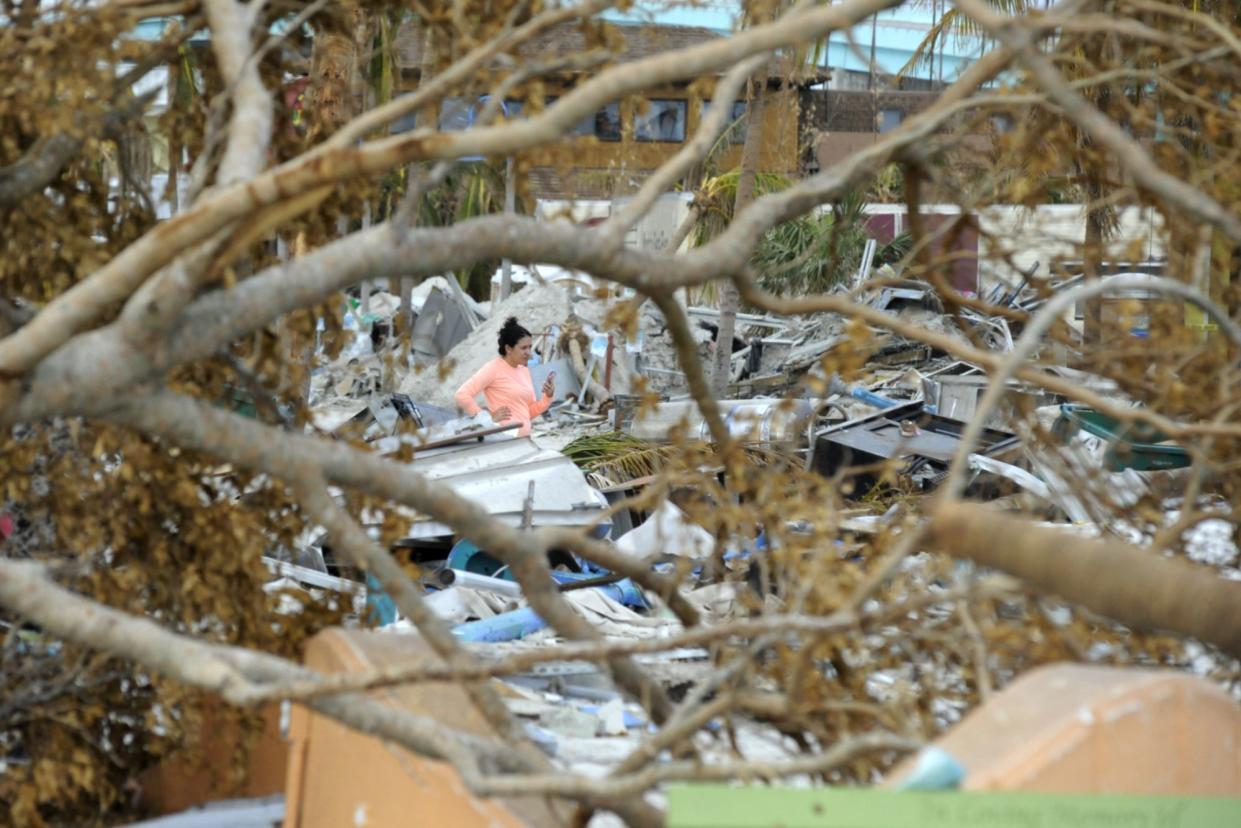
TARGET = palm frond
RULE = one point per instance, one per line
(809, 254)
(895, 250)
(722, 142)
(813, 253)
(961, 27)
(618, 457)
(924, 53)
(383, 62)
(471, 189)
(718, 195)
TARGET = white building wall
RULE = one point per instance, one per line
(1013, 238)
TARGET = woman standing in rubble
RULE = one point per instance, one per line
(506, 384)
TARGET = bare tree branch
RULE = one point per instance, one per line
(835, 756)
(1047, 316)
(784, 623)
(351, 539)
(25, 590)
(1221, 31)
(1137, 588)
(249, 128)
(245, 155)
(46, 159)
(694, 151)
(1016, 36)
(79, 306)
(696, 377)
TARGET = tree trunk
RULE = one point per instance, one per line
(730, 299)
(1092, 322)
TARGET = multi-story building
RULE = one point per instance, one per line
(610, 153)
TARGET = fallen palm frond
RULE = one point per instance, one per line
(618, 457)
(615, 458)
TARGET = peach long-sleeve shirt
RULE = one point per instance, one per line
(502, 384)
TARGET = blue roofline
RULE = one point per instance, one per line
(898, 32)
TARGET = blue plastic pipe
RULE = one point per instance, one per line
(870, 397)
(380, 608)
(507, 626)
(837, 386)
(519, 623)
(623, 592)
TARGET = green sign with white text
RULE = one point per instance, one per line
(714, 806)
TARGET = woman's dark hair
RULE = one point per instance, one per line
(511, 334)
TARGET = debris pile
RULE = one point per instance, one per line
(539, 308)
(887, 430)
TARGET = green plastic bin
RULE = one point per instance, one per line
(1130, 445)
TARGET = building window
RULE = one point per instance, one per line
(890, 119)
(405, 124)
(514, 110)
(459, 114)
(736, 131)
(664, 120)
(604, 124)
(586, 126)
(456, 114)
(608, 123)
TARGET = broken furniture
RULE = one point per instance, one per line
(927, 441)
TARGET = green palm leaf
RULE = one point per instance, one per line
(618, 457)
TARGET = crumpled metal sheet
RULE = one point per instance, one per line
(755, 421)
(496, 474)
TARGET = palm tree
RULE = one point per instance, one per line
(1092, 180)
(715, 204)
(730, 302)
(754, 12)
(471, 189)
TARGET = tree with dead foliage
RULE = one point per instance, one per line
(144, 499)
